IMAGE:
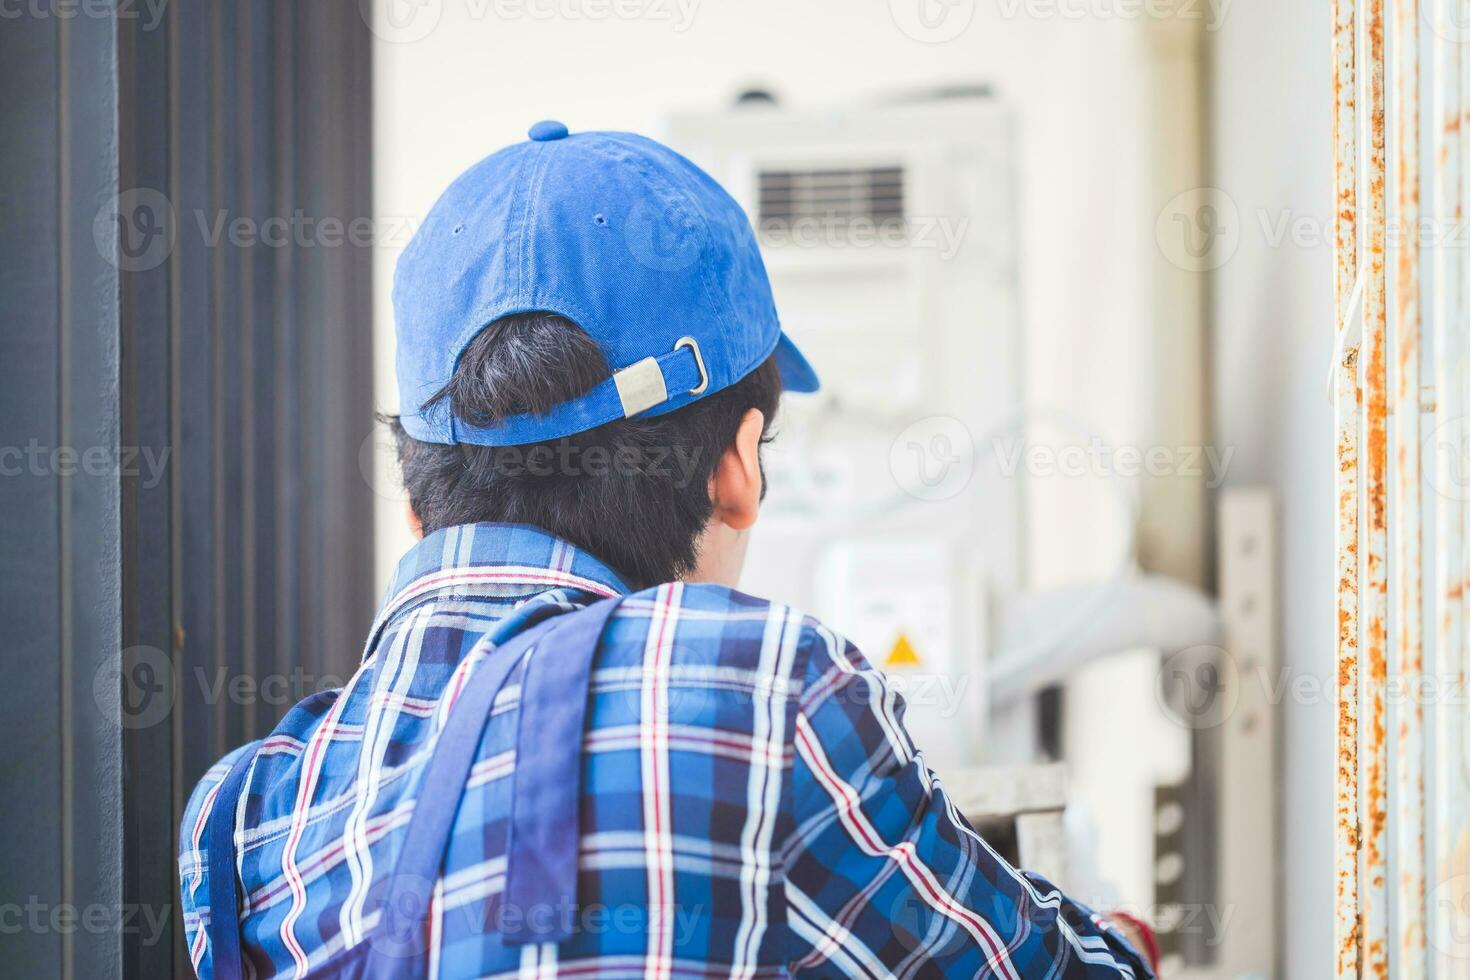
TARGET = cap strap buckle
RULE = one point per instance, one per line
(640, 386)
(693, 345)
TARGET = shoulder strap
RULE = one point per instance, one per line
(545, 835)
(224, 897)
(543, 838)
(570, 636)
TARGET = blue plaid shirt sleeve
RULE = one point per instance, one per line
(885, 878)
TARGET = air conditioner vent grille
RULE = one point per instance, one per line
(833, 197)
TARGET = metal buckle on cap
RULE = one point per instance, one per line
(640, 386)
(693, 345)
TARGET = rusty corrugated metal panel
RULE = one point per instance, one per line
(1373, 588)
(1407, 796)
(1428, 902)
(1346, 416)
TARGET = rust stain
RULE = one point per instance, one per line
(1347, 403)
(1373, 767)
(1407, 796)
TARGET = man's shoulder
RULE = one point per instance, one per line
(729, 610)
(275, 765)
(197, 809)
(704, 623)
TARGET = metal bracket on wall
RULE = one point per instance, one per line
(1216, 843)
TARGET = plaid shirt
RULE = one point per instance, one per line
(751, 803)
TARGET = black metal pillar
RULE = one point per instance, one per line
(183, 397)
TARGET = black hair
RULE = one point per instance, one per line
(634, 493)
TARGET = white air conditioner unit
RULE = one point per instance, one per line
(890, 237)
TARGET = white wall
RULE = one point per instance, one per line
(1272, 324)
(477, 81)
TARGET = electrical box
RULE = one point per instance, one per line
(916, 602)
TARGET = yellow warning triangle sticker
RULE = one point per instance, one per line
(903, 654)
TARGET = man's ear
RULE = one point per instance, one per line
(414, 524)
(735, 485)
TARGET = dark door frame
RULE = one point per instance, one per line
(182, 409)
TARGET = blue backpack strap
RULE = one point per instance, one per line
(541, 850)
(224, 897)
(401, 933)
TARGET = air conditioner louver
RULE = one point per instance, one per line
(830, 198)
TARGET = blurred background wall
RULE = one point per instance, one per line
(1272, 324)
(1114, 116)
(1077, 88)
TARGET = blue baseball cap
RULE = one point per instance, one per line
(615, 232)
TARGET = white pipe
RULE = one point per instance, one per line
(1149, 611)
